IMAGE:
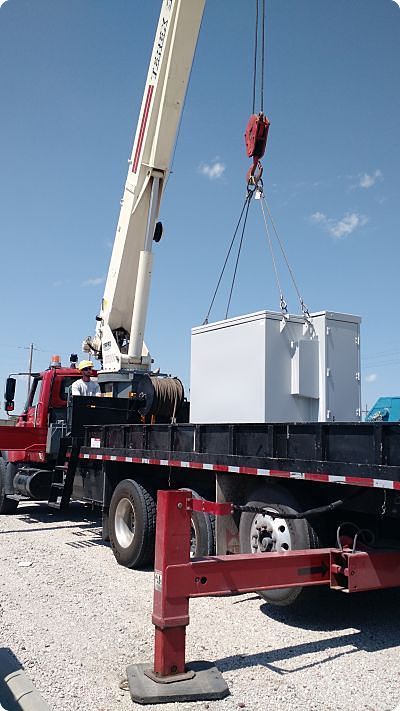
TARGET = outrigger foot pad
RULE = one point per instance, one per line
(201, 682)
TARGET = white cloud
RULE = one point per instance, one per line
(318, 217)
(2, 2)
(368, 181)
(339, 228)
(213, 170)
(371, 377)
(93, 282)
(347, 225)
(397, 2)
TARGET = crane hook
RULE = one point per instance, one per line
(255, 137)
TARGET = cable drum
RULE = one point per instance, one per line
(162, 397)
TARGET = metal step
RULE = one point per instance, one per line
(54, 505)
(55, 496)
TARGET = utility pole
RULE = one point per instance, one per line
(30, 367)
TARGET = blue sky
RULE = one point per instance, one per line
(72, 75)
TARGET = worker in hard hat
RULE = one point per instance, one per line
(85, 386)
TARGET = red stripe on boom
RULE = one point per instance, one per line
(142, 127)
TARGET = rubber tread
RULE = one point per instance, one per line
(205, 528)
(7, 506)
(141, 551)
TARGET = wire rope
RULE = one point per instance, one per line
(262, 56)
(168, 396)
(247, 201)
(255, 59)
(238, 256)
(302, 304)
(256, 52)
(282, 301)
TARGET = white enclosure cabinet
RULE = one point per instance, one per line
(263, 368)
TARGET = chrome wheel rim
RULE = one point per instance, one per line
(193, 540)
(125, 523)
(269, 534)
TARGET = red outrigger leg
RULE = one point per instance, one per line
(177, 578)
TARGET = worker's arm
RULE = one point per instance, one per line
(97, 390)
(75, 388)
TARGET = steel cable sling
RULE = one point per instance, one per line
(282, 300)
(245, 210)
(304, 308)
(255, 138)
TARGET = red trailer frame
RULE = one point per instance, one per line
(177, 579)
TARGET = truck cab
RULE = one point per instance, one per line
(30, 448)
(45, 410)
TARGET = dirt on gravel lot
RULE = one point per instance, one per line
(75, 619)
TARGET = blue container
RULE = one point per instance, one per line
(386, 409)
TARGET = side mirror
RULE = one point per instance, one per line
(9, 394)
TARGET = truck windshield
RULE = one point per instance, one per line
(33, 397)
(65, 386)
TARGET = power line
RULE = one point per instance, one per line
(35, 348)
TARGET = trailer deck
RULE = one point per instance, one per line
(361, 454)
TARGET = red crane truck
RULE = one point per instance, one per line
(110, 452)
(118, 450)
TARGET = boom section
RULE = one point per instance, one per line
(120, 327)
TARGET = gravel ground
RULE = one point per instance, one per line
(75, 620)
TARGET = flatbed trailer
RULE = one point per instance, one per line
(285, 467)
(342, 480)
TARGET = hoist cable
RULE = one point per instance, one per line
(256, 32)
(238, 254)
(246, 202)
(302, 304)
(255, 59)
(282, 301)
(168, 397)
(262, 55)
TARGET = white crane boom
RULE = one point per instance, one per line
(120, 325)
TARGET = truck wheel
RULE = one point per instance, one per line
(202, 526)
(7, 506)
(260, 533)
(132, 524)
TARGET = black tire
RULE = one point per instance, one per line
(281, 534)
(202, 536)
(132, 524)
(7, 506)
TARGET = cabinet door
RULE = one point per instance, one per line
(343, 384)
